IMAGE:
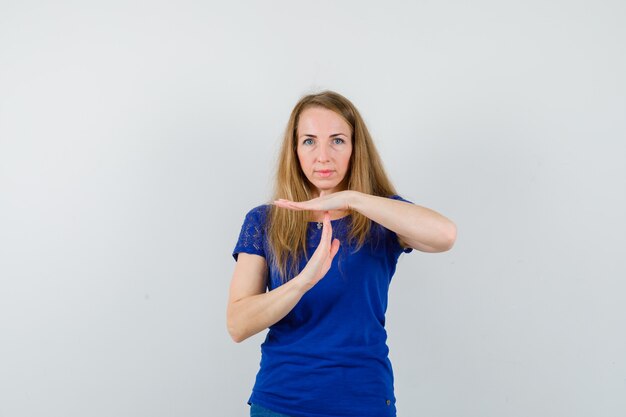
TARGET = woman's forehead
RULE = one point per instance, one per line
(320, 119)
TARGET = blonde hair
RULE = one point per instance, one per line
(287, 229)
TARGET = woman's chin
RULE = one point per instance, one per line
(326, 187)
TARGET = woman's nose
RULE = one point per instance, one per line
(323, 154)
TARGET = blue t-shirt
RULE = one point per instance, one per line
(328, 356)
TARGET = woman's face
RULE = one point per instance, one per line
(324, 148)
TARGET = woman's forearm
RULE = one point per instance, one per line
(417, 226)
(253, 314)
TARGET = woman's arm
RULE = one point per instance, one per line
(251, 309)
(418, 227)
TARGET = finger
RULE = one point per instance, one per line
(324, 248)
(287, 205)
(294, 204)
(327, 225)
(327, 230)
(334, 248)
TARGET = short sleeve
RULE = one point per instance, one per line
(252, 236)
(397, 245)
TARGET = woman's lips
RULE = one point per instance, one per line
(324, 173)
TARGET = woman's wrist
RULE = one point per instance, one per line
(356, 200)
(303, 281)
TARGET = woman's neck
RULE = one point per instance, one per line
(318, 216)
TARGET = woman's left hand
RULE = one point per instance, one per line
(325, 202)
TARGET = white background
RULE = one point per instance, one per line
(134, 137)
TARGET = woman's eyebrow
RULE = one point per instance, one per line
(334, 134)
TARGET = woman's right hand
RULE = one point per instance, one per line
(319, 264)
(251, 309)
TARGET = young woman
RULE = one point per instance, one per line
(315, 266)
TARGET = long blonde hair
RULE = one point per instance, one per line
(287, 229)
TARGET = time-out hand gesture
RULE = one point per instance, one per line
(319, 264)
(325, 202)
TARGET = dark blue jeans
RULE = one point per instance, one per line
(258, 411)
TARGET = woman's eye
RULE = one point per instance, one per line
(307, 141)
(338, 141)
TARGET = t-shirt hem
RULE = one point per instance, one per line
(266, 402)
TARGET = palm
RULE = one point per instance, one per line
(322, 258)
(328, 202)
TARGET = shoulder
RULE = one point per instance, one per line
(252, 237)
(258, 214)
(261, 210)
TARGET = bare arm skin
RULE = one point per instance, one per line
(417, 227)
(251, 309)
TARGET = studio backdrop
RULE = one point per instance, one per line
(135, 136)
